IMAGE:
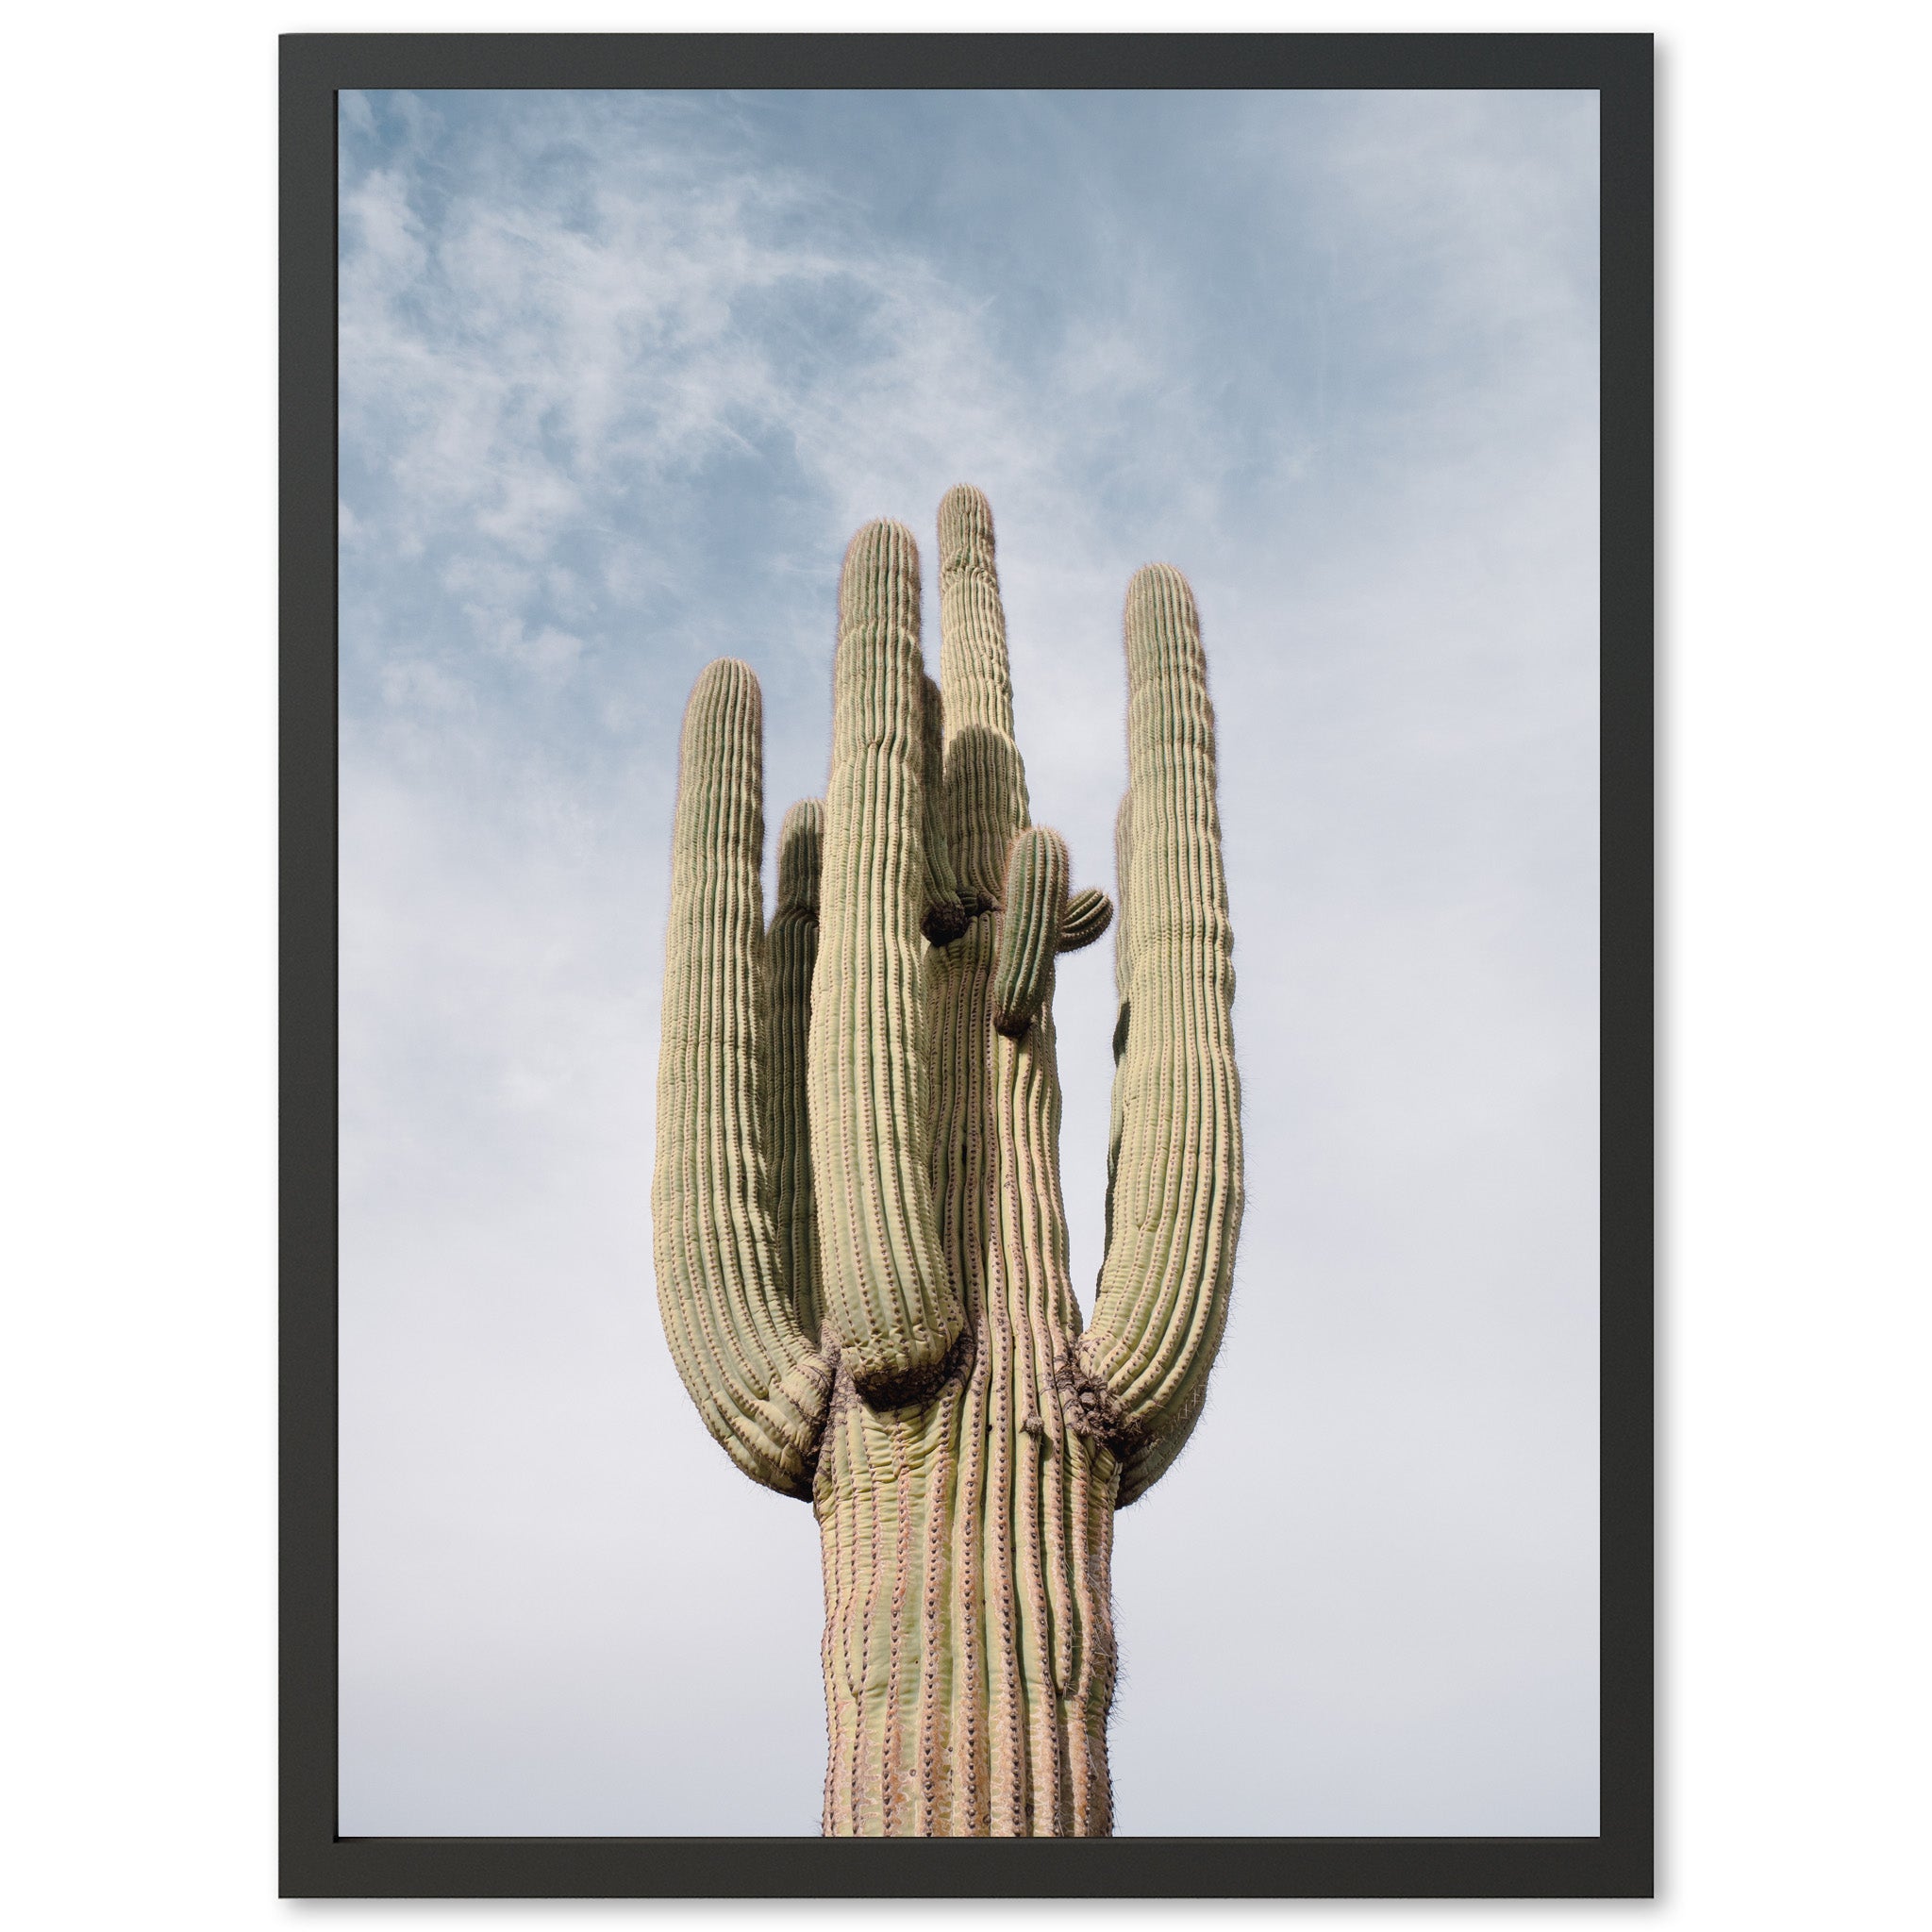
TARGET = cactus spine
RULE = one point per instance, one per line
(860, 1241)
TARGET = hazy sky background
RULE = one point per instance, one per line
(620, 375)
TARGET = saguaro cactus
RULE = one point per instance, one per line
(860, 1241)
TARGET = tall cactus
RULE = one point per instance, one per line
(860, 1243)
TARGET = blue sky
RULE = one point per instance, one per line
(620, 375)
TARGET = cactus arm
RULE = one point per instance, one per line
(986, 783)
(1089, 914)
(1148, 1461)
(889, 1302)
(734, 1334)
(791, 951)
(1175, 1191)
(1035, 898)
(946, 916)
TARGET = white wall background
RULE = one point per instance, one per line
(139, 1233)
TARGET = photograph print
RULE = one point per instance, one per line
(969, 824)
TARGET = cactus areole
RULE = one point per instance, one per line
(861, 1240)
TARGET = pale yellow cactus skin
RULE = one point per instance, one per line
(861, 1238)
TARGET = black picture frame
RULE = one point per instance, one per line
(317, 1861)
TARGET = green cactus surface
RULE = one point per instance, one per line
(859, 1233)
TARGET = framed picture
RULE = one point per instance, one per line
(754, 508)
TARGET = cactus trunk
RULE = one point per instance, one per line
(860, 1236)
(969, 1652)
